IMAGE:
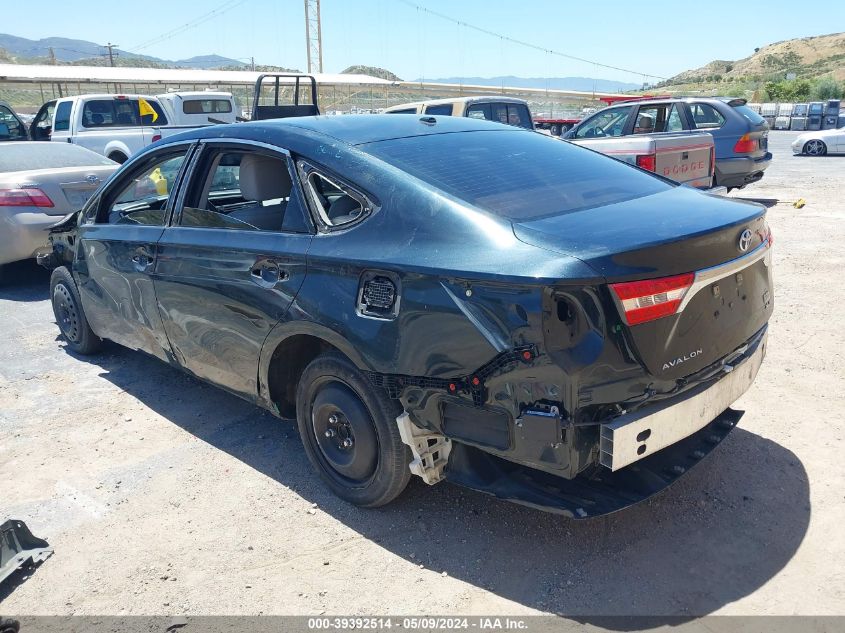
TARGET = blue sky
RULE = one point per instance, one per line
(655, 38)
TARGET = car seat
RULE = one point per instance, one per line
(263, 178)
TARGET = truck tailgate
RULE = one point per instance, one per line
(687, 159)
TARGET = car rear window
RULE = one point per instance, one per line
(749, 114)
(517, 175)
(206, 106)
(27, 156)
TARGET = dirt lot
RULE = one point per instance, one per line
(164, 495)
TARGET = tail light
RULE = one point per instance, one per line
(24, 197)
(745, 144)
(713, 163)
(651, 299)
(156, 137)
(647, 162)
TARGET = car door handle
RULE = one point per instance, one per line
(267, 273)
(142, 261)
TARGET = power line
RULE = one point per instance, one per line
(205, 17)
(512, 40)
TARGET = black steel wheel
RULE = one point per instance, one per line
(69, 314)
(555, 129)
(349, 431)
(815, 147)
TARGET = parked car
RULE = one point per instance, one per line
(686, 158)
(501, 109)
(12, 127)
(453, 298)
(820, 142)
(39, 184)
(118, 126)
(740, 134)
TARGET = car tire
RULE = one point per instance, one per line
(555, 129)
(118, 157)
(349, 431)
(815, 147)
(69, 314)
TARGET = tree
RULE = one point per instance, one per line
(826, 89)
(801, 90)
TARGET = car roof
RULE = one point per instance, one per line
(679, 99)
(357, 129)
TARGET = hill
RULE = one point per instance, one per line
(20, 50)
(798, 69)
(372, 71)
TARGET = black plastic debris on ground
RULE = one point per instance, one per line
(19, 548)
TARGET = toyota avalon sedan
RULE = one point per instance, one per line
(40, 183)
(437, 296)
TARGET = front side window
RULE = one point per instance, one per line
(143, 197)
(335, 203)
(62, 122)
(606, 123)
(242, 190)
(10, 127)
(705, 116)
(651, 119)
(122, 113)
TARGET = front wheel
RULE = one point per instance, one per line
(815, 148)
(69, 314)
(349, 431)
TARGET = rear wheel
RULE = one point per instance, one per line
(69, 314)
(815, 148)
(118, 157)
(555, 129)
(349, 431)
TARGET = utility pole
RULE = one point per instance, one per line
(313, 36)
(52, 57)
(111, 53)
(252, 63)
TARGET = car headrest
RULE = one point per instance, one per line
(264, 178)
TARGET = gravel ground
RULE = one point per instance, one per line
(163, 495)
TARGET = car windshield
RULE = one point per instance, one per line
(517, 175)
(749, 114)
(29, 156)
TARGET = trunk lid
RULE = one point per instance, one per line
(671, 233)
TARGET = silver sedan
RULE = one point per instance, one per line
(39, 184)
(820, 142)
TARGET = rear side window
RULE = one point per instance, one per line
(516, 175)
(705, 116)
(335, 203)
(404, 111)
(753, 117)
(206, 106)
(443, 108)
(62, 119)
(514, 114)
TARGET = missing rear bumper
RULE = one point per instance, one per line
(589, 494)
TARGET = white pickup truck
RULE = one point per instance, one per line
(117, 126)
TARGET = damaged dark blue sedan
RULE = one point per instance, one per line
(437, 296)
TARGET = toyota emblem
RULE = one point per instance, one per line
(745, 240)
(92, 179)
